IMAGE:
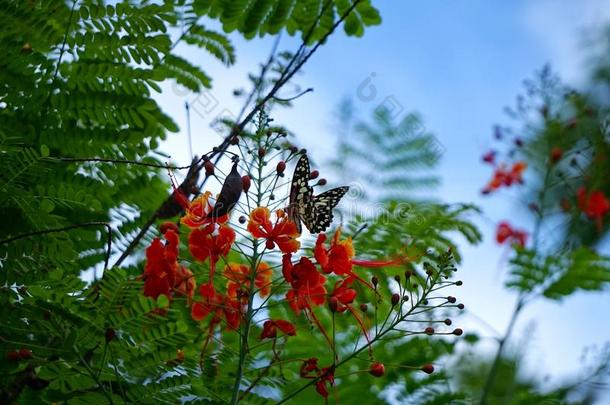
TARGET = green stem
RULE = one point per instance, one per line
(377, 337)
(521, 299)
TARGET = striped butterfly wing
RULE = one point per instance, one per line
(301, 194)
(319, 212)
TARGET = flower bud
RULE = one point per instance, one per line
(518, 142)
(110, 334)
(25, 354)
(447, 321)
(458, 332)
(556, 154)
(451, 299)
(281, 166)
(242, 219)
(321, 182)
(408, 274)
(293, 149)
(395, 299)
(333, 304)
(209, 168)
(26, 48)
(427, 368)
(314, 174)
(377, 369)
(363, 307)
(234, 140)
(397, 278)
(269, 244)
(166, 226)
(429, 331)
(13, 356)
(303, 151)
(246, 182)
(460, 306)
(375, 281)
(459, 283)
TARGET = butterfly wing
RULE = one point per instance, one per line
(319, 213)
(300, 192)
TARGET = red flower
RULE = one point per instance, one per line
(184, 283)
(218, 305)
(327, 375)
(161, 265)
(212, 241)
(594, 204)
(282, 233)
(505, 232)
(338, 257)
(306, 282)
(239, 278)
(309, 368)
(270, 328)
(342, 295)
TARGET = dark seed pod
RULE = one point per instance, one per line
(427, 368)
(110, 334)
(209, 168)
(377, 369)
(246, 183)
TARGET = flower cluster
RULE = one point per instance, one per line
(238, 269)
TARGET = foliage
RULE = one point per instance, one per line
(395, 158)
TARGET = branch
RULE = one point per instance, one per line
(67, 228)
(284, 78)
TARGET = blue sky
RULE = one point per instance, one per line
(457, 63)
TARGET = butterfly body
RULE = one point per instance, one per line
(315, 211)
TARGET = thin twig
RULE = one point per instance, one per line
(67, 228)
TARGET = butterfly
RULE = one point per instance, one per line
(315, 211)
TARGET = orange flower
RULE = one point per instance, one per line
(198, 210)
(282, 233)
(505, 177)
(212, 241)
(239, 278)
(339, 259)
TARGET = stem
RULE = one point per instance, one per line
(520, 299)
(243, 342)
(377, 337)
(502, 342)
